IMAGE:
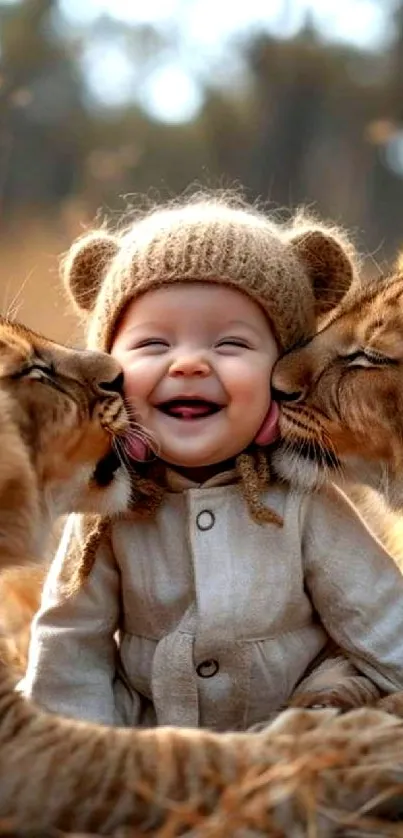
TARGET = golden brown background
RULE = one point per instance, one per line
(101, 103)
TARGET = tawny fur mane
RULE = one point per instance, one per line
(307, 774)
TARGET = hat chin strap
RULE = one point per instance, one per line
(269, 429)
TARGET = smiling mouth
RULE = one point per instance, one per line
(189, 409)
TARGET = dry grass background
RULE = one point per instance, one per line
(30, 288)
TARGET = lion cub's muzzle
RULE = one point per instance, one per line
(107, 386)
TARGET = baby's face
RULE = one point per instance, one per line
(197, 360)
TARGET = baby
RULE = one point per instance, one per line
(219, 597)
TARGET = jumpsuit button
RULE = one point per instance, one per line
(205, 520)
(206, 669)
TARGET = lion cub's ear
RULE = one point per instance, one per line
(85, 265)
(330, 261)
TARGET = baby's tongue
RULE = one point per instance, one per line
(136, 448)
(189, 411)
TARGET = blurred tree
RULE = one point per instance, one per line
(311, 122)
(41, 110)
(385, 177)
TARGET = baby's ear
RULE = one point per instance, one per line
(329, 260)
(84, 267)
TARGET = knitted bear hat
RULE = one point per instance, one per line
(295, 271)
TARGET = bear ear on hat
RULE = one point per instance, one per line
(84, 266)
(329, 260)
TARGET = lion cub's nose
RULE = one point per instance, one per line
(290, 381)
(114, 386)
(102, 371)
(288, 395)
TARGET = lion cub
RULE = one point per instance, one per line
(61, 410)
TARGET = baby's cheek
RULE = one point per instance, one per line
(256, 381)
(136, 379)
(256, 401)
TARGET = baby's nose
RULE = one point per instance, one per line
(190, 364)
